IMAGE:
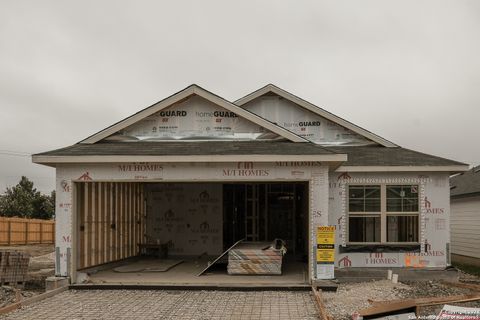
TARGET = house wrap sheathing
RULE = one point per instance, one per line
(160, 175)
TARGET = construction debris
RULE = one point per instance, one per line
(322, 310)
(258, 258)
(474, 287)
(426, 298)
(454, 312)
(219, 258)
(13, 267)
(381, 308)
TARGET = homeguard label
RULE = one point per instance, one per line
(173, 113)
(215, 114)
(309, 124)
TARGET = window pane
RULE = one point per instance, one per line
(355, 205)
(364, 229)
(372, 205)
(394, 191)
(356, 192)
(402, 228)
(411, 191)
(402, 198)
(364, 198)
(372, 192)
(410, 205)
(394, 205)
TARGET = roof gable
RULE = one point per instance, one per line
(304, 115)
(137, 125)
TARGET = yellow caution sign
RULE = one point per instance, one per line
(325, 256)
(326, 244)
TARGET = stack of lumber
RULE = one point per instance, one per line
(13, 267)
(255, 258)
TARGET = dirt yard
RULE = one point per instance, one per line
(42, 265)
(353, 297)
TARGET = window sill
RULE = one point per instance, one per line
(381, 247)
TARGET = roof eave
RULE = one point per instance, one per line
(465, 195)
(54, 160)
(419, 168)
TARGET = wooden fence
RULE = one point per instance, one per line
(14, 231)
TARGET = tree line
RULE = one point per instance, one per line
(25, 201)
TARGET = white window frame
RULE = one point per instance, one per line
(383, 214)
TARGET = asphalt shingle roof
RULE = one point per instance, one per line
(357, 156)
(397, 156)
(191, 148)
(466, 183)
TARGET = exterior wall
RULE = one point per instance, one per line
(171, 206)
(313, 172)
(434, 215)
(465, 227)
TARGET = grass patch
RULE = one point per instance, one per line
(467, 268)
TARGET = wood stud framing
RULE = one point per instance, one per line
(110, 221)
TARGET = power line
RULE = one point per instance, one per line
(14, 153)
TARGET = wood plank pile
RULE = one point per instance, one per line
(256, 258)
(13, 267)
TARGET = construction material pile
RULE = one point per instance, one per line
(13, 267)
(256, 258)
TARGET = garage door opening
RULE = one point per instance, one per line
(167, 233)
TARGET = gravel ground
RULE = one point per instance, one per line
(353, 297)
(435, 289)
(8, 295)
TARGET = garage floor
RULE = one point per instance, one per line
(147, 304)
(294, 274)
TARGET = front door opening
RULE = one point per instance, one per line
(265, 212)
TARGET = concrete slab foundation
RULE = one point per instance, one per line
(52, 283)
(345, 275)
(294, 274)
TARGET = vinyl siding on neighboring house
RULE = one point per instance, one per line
(465, 226)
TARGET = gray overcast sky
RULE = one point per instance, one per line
(406, 70)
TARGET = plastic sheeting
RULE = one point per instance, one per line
(304, 123)
(194, 119)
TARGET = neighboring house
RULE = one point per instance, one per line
(465, 216)
(198, 172)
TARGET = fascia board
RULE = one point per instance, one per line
(43, 159)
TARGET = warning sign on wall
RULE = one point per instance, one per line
(325, 252)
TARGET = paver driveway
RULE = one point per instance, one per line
(153, 304)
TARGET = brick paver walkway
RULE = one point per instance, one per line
(152, 304)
